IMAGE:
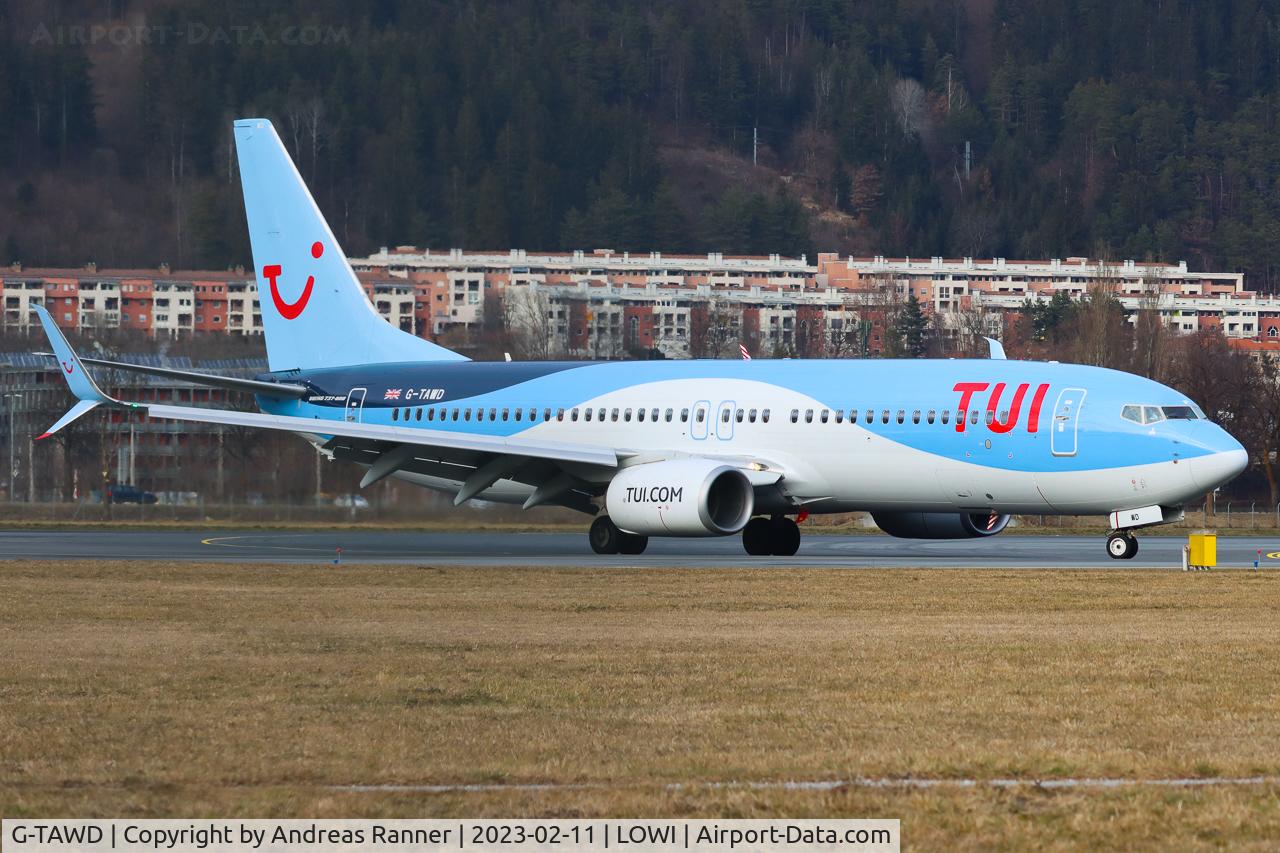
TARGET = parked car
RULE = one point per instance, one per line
(120, 493)
(356, 501)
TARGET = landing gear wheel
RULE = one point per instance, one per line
(604, 535)
(1122, 546)
(631, 543)
(757, 537)
(784, 536)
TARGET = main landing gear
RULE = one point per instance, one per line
(606, 538)
(1122, 545)
(778, 537)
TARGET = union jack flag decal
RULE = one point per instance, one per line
(392, 394)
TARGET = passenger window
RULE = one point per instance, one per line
(395, 414)
(533, 414)
(764, 415)
(417, 416)
(991, 416)
(654, 415)
(946, 415)
(600, 415)
(741, 413)
(751, 415)
(902, 415)
(559, 414)
(929, 417)
(455, 414)
(640, 415)
(684, 416)
(839, 416)
(973, 416)
(795, 416)
(808, 416)
(431, 414)
(915, 416)
(506, 414)
(702, 415)
(871, 416)
(853, 416)
(519, 413)
(466, 413)
(546, 414)
(824, 415)
(586, 415)
(626, 415)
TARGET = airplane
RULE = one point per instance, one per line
(931, 448)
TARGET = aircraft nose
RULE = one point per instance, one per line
(1216, 469)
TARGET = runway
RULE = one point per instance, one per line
(563, 549)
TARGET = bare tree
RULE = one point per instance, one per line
(1101, 335)
(716, 331)
(908, 100)
(1149, 331)
(530, 321)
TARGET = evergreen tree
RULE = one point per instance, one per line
(911, 329)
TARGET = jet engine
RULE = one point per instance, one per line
(680, 497)
(940, 525)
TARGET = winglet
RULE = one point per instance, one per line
(81, 408)
(80, 382)
(88, 393)
(997, 349)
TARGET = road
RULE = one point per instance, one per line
(562, 549)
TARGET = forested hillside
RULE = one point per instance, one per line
(1035, 128)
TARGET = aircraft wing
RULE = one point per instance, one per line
(91, 396)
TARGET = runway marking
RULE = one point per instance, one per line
(833, 784)
(218, 542)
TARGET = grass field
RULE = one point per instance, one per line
(212, 690)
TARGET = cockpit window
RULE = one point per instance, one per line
(1155, 414)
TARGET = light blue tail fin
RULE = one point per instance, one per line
(314, 312)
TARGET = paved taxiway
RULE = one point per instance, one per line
(563, 549)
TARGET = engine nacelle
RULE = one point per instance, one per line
(939, 525)
(681, 497)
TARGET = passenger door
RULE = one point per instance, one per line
(1066, 422)
(355, 404)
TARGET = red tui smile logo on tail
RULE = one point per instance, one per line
(291, 310)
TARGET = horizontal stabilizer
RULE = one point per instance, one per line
(289, 390)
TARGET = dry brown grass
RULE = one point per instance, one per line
(178, 689)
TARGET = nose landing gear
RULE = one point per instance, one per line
(1122, 545)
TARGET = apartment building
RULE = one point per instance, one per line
(605, 304)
